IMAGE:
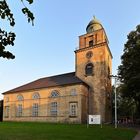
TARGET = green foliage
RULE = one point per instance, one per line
(129, 70)
(5, 12)
(7, 38)
(30, 1)
(126, 107)
(45, 131)
(29, 14)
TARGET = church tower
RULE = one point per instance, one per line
(93, 64)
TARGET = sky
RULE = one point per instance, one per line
(47, 48)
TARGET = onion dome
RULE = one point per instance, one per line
(93, 25)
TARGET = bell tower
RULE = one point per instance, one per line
(93, 64)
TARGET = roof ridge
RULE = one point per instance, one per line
(51, 81)
(56, 75)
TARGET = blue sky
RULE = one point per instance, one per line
(48, 47)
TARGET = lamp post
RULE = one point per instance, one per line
(115, 82)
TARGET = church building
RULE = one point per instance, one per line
(69, 97)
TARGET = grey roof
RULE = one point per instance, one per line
(58, 80)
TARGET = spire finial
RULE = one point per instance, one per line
(94, 17)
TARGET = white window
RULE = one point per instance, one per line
(73, 109)
(6, 111)
(53, 110)
(73, 92)
(19, 110)
(36, 95)
(54, 93)
(35, 110)
(20, 98)
(7, 99)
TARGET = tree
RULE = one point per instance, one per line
(129, 70)
(126, 107)
(7, 38)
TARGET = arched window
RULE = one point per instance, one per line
(36, 95)
(20, 98)
(73, 92)
(54, 93)
(7, 99)
(89, 69)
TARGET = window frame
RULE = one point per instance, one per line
(54, 94)
(88, 70)
(20, 97)
(73, 109)
(35, 110)
(54, 108)
(91, 43)
(6, 99)
(7, 111)
(36, 96)
(73, 92)
(19, 110)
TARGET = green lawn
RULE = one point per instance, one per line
(45, 131)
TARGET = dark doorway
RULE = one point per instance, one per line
(1, 110)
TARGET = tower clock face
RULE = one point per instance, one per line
(89, 54)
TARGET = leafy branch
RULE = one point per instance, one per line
(27, 12)
(8, 38)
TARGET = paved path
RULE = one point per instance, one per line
(137, 137)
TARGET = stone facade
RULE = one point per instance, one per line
(99, 81)
(69, 98)
(64, 99)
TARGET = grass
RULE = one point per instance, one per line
(45, 131)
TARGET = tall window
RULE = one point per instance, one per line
(6, 111)
(19, 110)
(89, 69)
(96, 38)
(35, 110)
(53, 109)
(73, 109)
(90, 43)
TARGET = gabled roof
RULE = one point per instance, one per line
(58, 80)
